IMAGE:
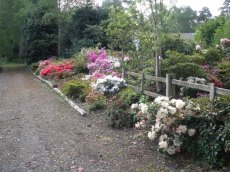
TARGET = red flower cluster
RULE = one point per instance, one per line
(56, 69)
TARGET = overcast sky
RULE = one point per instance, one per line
(197, 5)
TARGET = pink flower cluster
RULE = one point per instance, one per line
(44, 63)
(224, 41)
(99, 65)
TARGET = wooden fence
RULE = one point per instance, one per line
(171, 82)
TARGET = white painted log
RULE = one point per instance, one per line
(70, 102)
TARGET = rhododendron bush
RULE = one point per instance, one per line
(170, 122)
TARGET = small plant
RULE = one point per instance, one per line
(119, 115)
(76, 89)
(34, 66)
(80, 64)
(128, 95)
(95, 100)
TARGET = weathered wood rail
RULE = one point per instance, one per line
(171, 82)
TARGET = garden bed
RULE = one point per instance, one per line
(187, 127)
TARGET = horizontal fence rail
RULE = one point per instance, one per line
(171, 82)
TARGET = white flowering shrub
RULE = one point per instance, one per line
(172, 123)
(108, 85)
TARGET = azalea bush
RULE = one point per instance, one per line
(56, 70)
(100, 65)
(108, 85)
(41, 65)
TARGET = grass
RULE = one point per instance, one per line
(13, 65)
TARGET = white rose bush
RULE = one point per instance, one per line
(170, 122)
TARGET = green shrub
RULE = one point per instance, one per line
(185, 70)
(198, 59)
(76, 89)
(128, 96)
(34, 66)
(80, 64)
(95, 100)
(212, 56)
(174, 58)
(119, 115)
(224, 74)
(175, 43)
(212, 144)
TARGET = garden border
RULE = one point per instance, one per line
(70, 102)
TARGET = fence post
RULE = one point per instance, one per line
(142, 82)
(123, 72)
(170, 88)
(212, 95)
(212, 92)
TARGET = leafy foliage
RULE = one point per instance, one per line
(40, 34)
(212, 56)
(83, 30)
(95, 100)
(212, 143)
(119, 116)
(224, 73)
(175, 43)
(128, 96)
(206, 31)
(76, 89)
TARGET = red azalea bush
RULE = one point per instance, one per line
(56, 70)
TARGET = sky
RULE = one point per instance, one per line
(197, 5)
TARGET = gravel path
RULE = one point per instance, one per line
(39, 132)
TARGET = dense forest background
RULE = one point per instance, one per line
(33, 30)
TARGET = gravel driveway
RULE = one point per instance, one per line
(39, 132)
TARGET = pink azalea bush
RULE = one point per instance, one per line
(99, 65)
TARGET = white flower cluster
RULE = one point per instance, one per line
(86, 77)
(142, 107)
(114, 61)
(168, 123)
(109, 84)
